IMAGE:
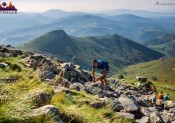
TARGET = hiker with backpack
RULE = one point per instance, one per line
(101, 65)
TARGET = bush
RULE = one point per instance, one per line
(154, 78)
(120, 76)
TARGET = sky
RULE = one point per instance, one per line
(91, 5)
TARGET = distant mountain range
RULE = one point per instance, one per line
(117, 50)
(143, 27)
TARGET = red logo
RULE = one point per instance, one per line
(7, 9)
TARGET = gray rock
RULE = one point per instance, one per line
(155, 118)
(144, 120)
(128, 104)
(143, 102)
(83, 75)
(145, 111)
(127, 115)
(152, 109)
(49, 110)
(115, 105)
(172, 110)
(91, 88)
(77, 86)
(97, 104)
(166, 118)
(168, 104)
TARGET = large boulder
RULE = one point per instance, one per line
(93, 88)
(155, 118)
(128, 104)
(48, 110)
(168, 104)
(115, 105)
(166, 118)
(77, 86)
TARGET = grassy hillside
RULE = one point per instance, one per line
(16, 99)
(162, 70)
(117, 50)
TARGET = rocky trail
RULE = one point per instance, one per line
(122, 98)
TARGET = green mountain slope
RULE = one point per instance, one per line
(117, 50)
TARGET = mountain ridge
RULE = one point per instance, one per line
(116, 49)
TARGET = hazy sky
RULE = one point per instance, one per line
(91, 5)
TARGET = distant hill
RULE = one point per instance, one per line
(141, 13)
(117, 50)
(164, 43)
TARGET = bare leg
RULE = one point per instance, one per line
(105, 81)
(102, 82)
